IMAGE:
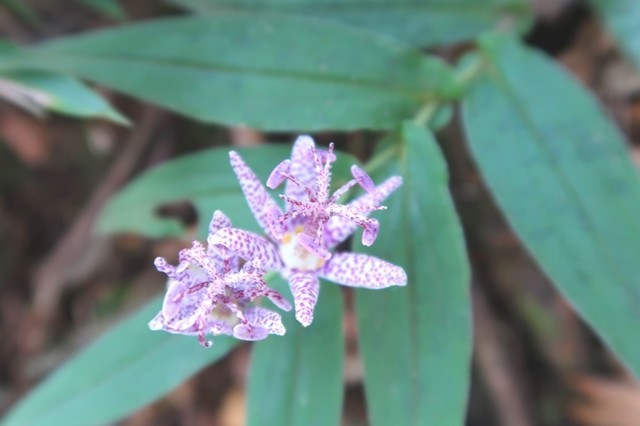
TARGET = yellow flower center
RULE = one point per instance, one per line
(223, 314)
(295, 256)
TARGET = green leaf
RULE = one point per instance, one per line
(419, 22)
(416, 340)
(204, 178)
(58, 93)
(272, 72)
(622, 18)
(127, 368)
(560, 171)
(297, 379)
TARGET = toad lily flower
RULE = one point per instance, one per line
(208, 293)
(314, 223)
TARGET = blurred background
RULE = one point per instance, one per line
(535, 362)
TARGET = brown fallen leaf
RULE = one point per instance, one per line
(233, 407)
(635, 156)
(26, 136)
(605, 401)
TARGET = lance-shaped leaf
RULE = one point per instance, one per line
(273, 72)
(297, 379)
(561, 173)
(415, 341)
(419, 22)
(125, 369)
(37, 91)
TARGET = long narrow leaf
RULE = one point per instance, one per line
(561, 173)
(55, 92)
(273, 72)
(127, 368)
(419, 22)
(416, 341)
(298, 379)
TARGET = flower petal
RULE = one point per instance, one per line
(275, 224)
(225, 261)
(278, 299)
(265, 318)
(363, 178)
(305, 287)
(248, 285)
(181, 305)
(370, 231)
(302, 168)
(339, 229)
(354, 217)
(157, 323)
(194, 260)
(219, 221)
(247, 332)
(248, 246)
(256, 194)
(361, 270)
(309, 243)
(279, 174)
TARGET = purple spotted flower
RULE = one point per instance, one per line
(313, 223)
(208, 293)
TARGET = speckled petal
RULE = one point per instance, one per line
(309, 243)
(188, 274)
(248, 246)
(163, 266)
(225, 261)
(160, 323)
(279, 174)
(196, 256)
(361, 270)
(277, 299)
(339, 229)
(182, 307)
(256, 194)
(363, 178)
(370, 233)
(176, 298)
(305, 287)
(302, 168)
(369, 225)
(276, 227)
(219, 221)
(265, 318)
(250, 333)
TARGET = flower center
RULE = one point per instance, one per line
(222, 313)
(295, 256)
(224, 319)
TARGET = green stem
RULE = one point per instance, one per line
(472, 70)
(426, 113)
(379, 160)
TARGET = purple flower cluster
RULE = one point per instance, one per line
(209, 293)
